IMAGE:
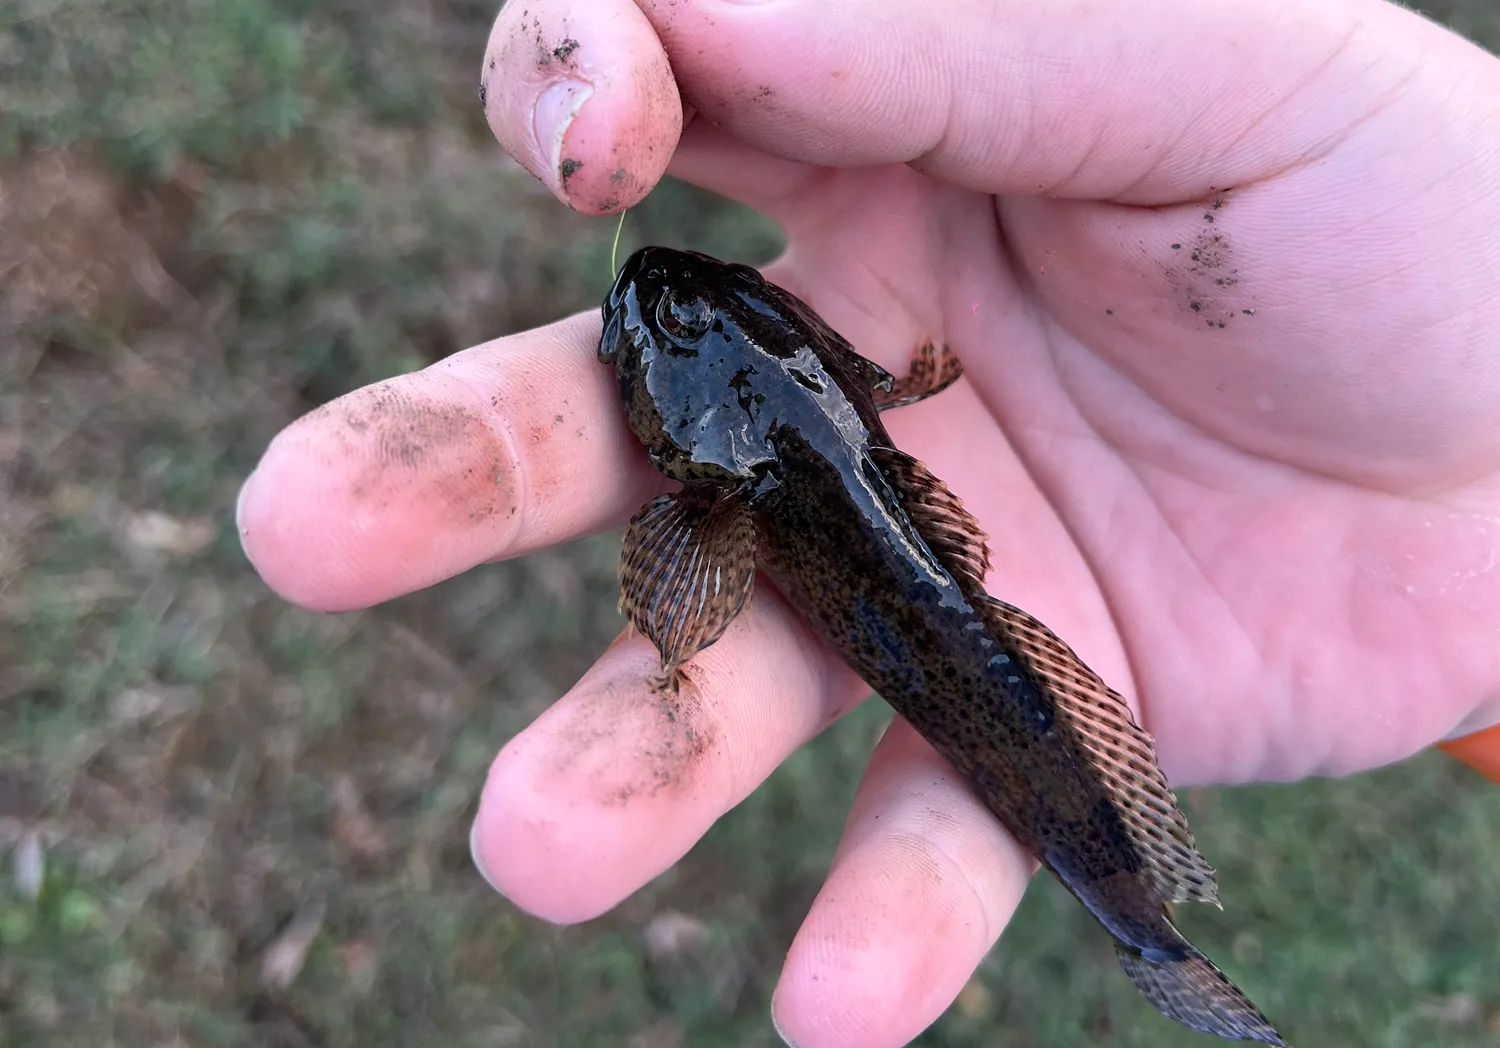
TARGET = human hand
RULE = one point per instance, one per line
(1225, 284)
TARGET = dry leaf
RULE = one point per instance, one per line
(161, 533)
(975, 1002)
(361, 966)
(282, 962)
(28, 864)
(671, 934)
(1456, 1008)
(74, 500)
(355, 830)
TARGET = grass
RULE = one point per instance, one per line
(229, 211)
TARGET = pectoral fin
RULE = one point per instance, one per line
(687, 568)
(950, 531)
(932, 371)
(1123, 754)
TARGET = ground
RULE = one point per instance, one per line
(231, 822)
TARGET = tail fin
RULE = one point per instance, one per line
(1195, 993)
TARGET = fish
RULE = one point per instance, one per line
(770, 422)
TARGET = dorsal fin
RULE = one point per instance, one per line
(1123, 754)
(949, 530)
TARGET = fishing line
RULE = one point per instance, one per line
(614, 249)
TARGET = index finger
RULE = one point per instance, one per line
(501, 449)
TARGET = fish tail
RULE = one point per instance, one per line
(1186, 986)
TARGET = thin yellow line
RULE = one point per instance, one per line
(615, 248)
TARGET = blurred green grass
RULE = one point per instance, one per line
(221, 213)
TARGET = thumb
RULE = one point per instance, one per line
(1140, 101)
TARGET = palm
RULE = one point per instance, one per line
(1280, 576)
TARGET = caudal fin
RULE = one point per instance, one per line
(1196, 994)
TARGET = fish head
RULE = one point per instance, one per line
(699, 348)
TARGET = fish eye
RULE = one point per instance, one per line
(684, 316)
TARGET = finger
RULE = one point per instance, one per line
(582, 96)
(830, 210)
(513, 445)
(614, 783)
(713, 159)
(1138, 101)
(922, 884)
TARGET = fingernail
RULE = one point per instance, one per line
(479, 863)
(239, 517)
(550, 120)
(239, 500)
(777, 1027)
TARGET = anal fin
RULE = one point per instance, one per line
(687, 569)
(1122, 753)
(950, 531)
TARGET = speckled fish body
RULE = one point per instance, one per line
(772, 423)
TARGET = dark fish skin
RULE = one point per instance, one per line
(772, 423)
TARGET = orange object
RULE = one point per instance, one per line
(1480, 751)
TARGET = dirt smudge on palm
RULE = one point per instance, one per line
(1202, 267)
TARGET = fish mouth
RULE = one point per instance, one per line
(630, 271)
(643, 278)
(623, 299)
(612, 338)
